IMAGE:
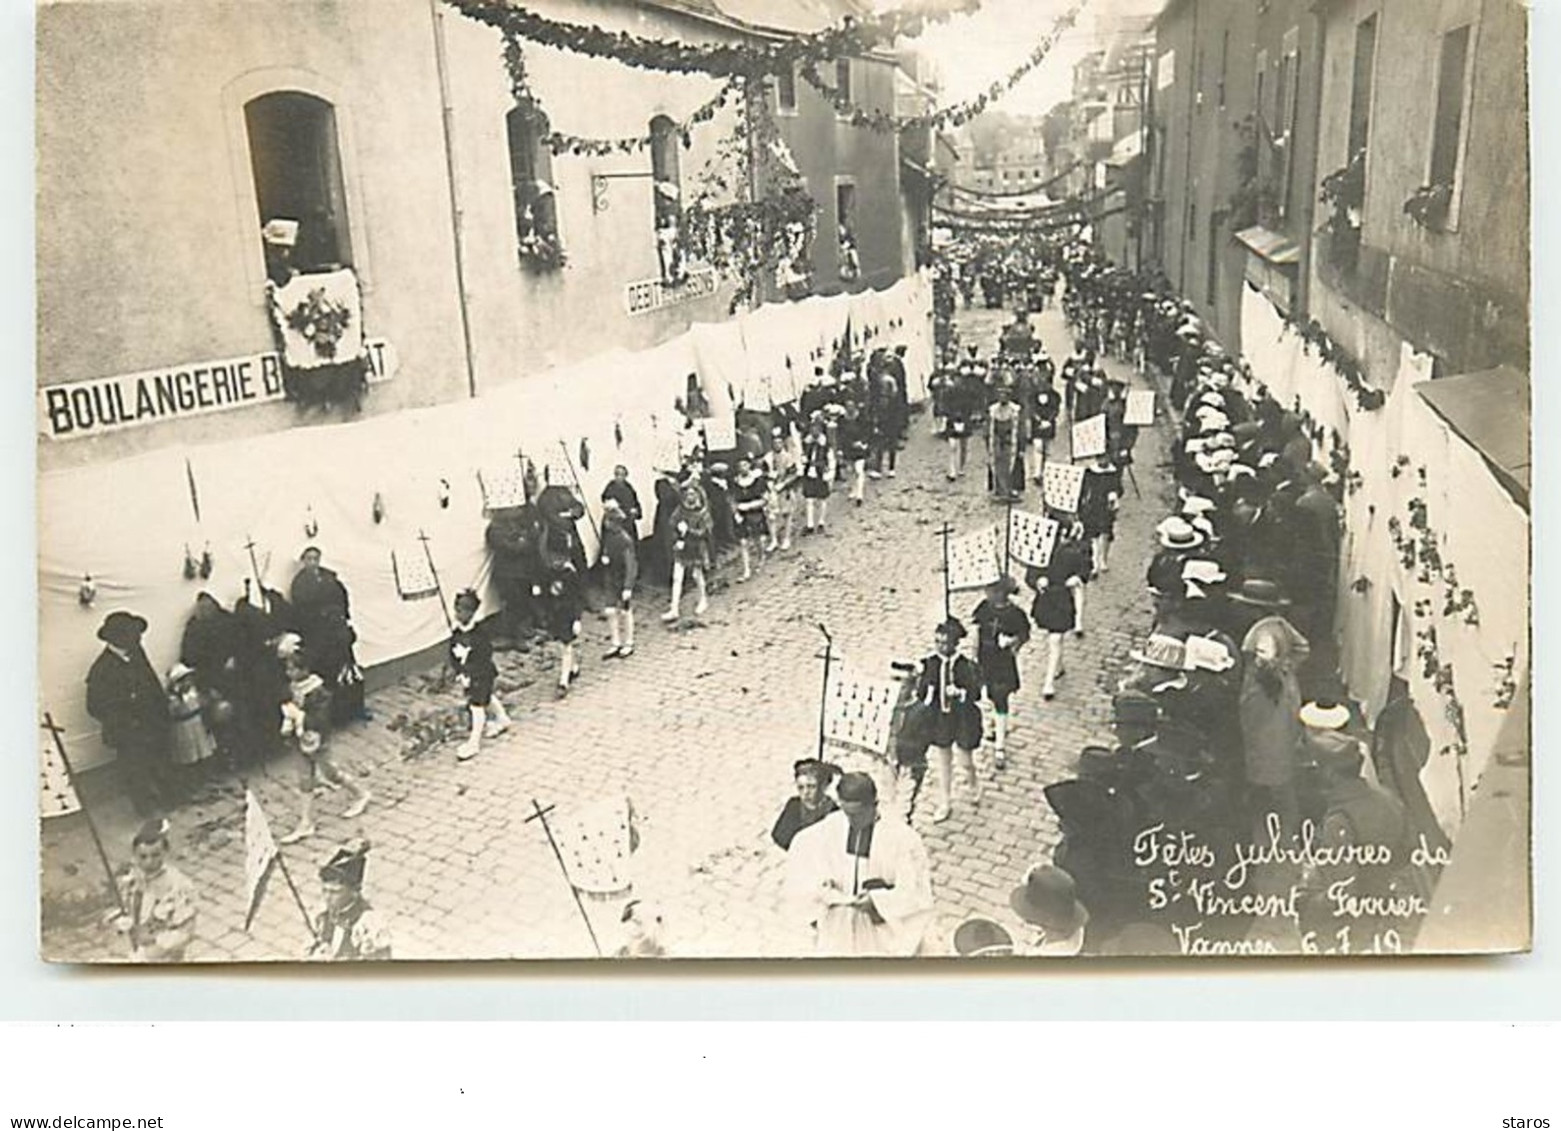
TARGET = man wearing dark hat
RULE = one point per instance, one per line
(126, 698)
(1048, 902)
(348, 928)
(862, 883)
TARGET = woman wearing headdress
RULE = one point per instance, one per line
(1003, 422)
(691, 528)
(783, 473)
(157, 900)
(1002, 630)
(949, 686)
(471, 654)
(811, 802)
(323, 617)
(348, 929)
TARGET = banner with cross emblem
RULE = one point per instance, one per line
(975, 559)
(502, 487)
(56, 795)
(413, 571)
(1031, 538)
(858, 709)
(1089, 437)
(595, 842)
(1061, 484)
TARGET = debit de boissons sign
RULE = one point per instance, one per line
(110, 404)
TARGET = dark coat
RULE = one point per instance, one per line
(125, 696)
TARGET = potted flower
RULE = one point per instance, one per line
(1344, 192)
(1430, 205)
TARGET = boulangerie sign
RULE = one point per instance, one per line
(111, 404)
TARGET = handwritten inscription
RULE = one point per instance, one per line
(1279, 893)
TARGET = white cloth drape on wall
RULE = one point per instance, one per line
(127, 523)
(1406, 452)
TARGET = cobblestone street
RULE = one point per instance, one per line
(699, 730)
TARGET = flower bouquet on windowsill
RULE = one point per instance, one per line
(542, 253)
(1430, 205)
(317, 321)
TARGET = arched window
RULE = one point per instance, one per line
(667, 193)
(295, 156)
(531, 178)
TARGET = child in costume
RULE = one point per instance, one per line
(471, 653)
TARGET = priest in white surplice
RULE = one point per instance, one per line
(861, 882)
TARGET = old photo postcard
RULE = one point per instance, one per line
(537, 479)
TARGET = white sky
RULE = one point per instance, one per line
(972, 51)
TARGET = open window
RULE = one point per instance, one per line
(845, 222)
(1435, 204)
(531, 179)
(667, 192)
(786, 90)
(295, 156)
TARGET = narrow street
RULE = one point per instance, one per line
(699, 730)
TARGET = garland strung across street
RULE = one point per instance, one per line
(726, 60)
(955, 115)
(561, 143)
(1039, 186)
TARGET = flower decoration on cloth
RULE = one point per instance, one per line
(319, 318)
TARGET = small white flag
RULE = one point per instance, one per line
(974, 559)
(259, 855)
(1089, 437)
(1031, 538)
(56, 795)
(596, 842)
(1061, 484)
(858, 710)
(1140, 408)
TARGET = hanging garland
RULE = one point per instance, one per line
(727, 60)
(750, 237)
(560, 143)
(1315, 339)
(957, 114)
